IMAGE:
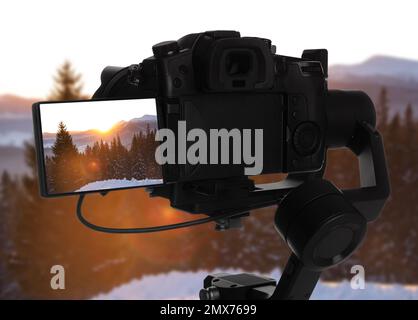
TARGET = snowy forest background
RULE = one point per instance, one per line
(37, 233)
(70, 168)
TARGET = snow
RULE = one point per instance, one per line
(118, 183)
(186, 285)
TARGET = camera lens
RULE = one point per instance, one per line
(238, 63)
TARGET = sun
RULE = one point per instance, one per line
(104, 122)
(104, 126)
(103, 130)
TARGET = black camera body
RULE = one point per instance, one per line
(218, 79)
(221, 80)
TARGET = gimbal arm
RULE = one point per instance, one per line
(351, 123)
(370, 198)
(298, 281)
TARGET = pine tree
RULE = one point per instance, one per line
(137, 159)
(409, 141)
(382, 109)
(66, 175)
(68, 84)
(119, 159)
(9, 289)
(394, 130)
(104, 160)
(88, 152)
(63, 145)
(410, 122)
(8, 191)
(95, 150)
(6, 182)
(153, 169)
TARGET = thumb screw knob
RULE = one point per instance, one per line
(211, 293)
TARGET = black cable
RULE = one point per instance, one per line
(147, 229)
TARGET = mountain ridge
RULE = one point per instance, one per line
(10, 103)
(379, 65)
(116, 126)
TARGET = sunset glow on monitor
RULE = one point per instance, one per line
(99, 145)
(94, 115)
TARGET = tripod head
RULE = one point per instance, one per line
(219, 79)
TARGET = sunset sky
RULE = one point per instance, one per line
(99, 115)
(37, 36)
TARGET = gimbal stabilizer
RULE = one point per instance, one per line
(321, 224)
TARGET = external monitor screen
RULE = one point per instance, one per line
(98, 145)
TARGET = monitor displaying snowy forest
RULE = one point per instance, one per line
(99, 145)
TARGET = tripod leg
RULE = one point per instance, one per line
(297, 282)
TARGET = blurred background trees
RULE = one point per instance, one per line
(68, 85)
(37, 233)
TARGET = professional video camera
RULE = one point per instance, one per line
(220, 80)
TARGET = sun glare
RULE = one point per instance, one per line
(94, 115)
(104, 123)
(105, 128)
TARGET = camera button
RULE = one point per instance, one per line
(183, 69)
(177, 83)
(298, 110)
(306, 138)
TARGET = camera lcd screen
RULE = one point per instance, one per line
(96, 145)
